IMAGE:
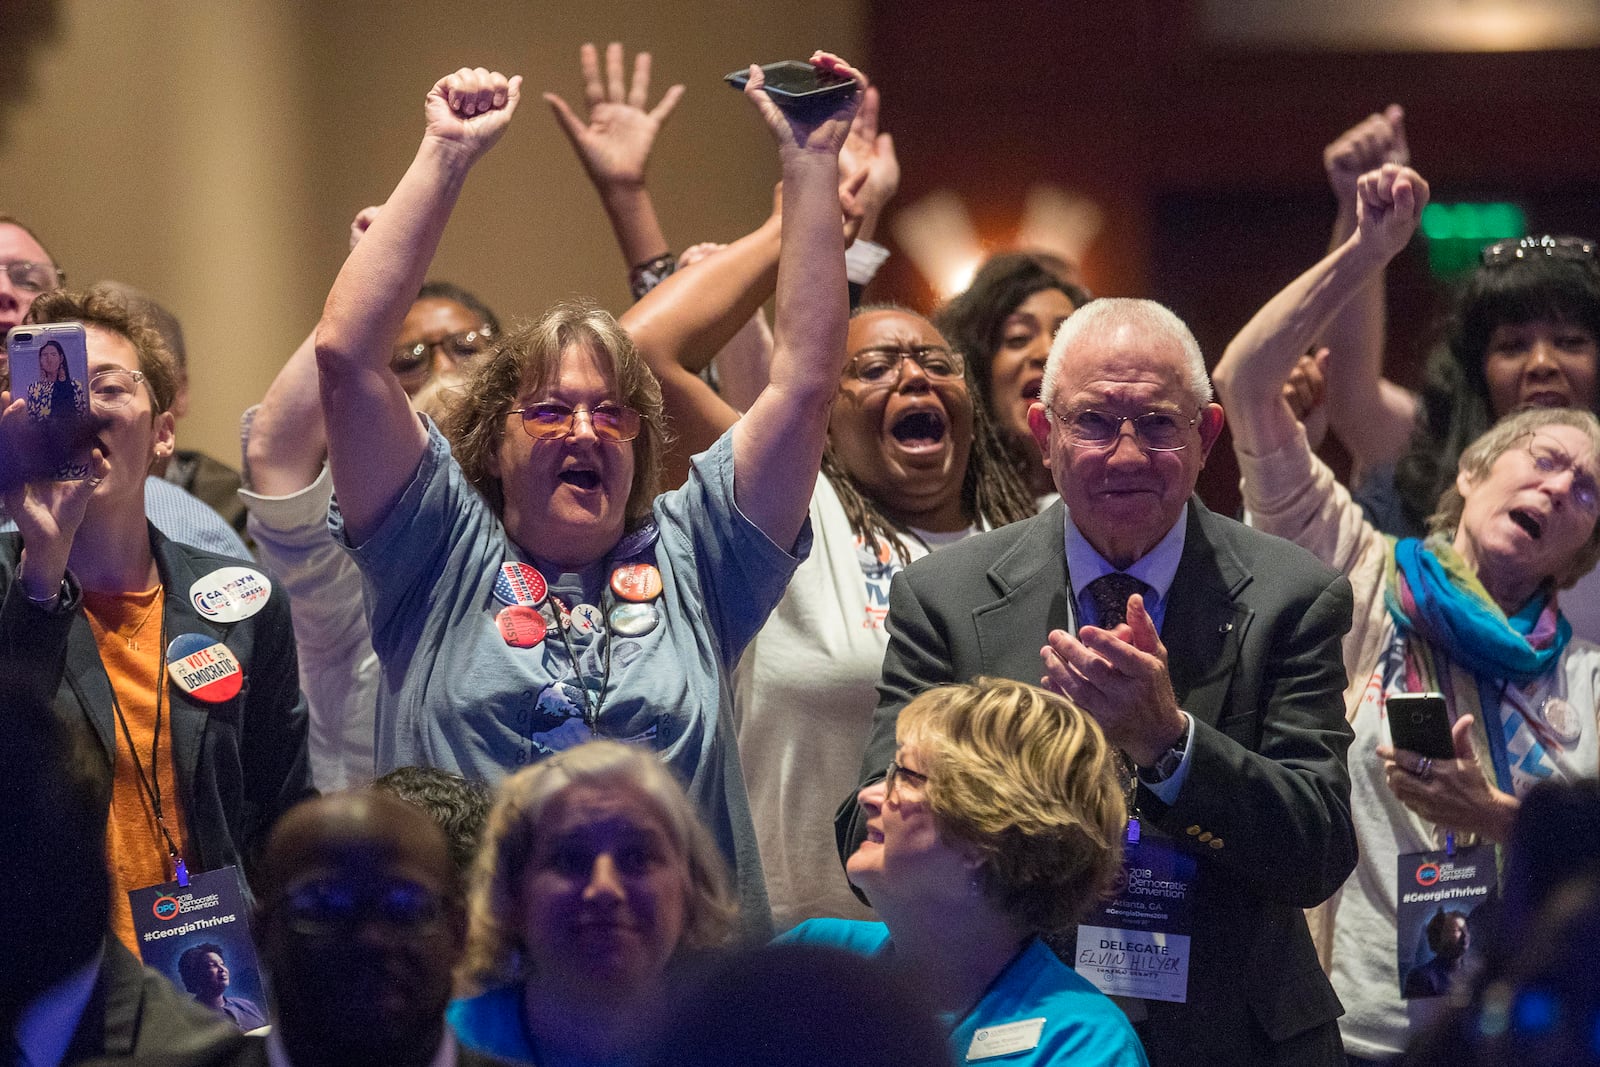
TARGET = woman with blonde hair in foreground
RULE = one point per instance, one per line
(594, 878)
(1000, 819)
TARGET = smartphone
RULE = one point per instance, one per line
(795, 85)
(50, 373)
(1420, 723)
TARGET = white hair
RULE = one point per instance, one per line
(1105, 315)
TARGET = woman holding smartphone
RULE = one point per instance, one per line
(1469, 611)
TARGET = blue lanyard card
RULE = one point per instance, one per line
(1437, 921)
(1137, 943)
(207, 919)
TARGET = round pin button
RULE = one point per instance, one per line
(1563, 720)
(639, 582)
(634, 620)
(519, 584)
(230, 594)
(204, 667)
(588, 619)
(637, 541)
(521, 626)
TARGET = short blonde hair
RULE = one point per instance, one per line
(1027, 779)
(527, 358)
(494, 942)
(1481, 455)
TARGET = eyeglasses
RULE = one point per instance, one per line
(34, 277)
(327, 906)
(418, 359)
(882, 367)
(895, 770)
(1551, 459)
(1155, 431)
(114, 388)
(550, 421)
(1516, 249)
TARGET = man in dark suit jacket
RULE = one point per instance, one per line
(1209, 654)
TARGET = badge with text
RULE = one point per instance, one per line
(1436, 923)
(588, 619)
(230, 594)
(634, 620)
(991, 1041)
(638, 582)
(204, 667)
(1137, 943)
(521, 626)
(520, 585)
(207, 922)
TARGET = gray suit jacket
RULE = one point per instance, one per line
(1252, 629)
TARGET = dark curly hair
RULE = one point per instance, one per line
(974, 321)
(459, 805)
(992, 491)
(1454, 402)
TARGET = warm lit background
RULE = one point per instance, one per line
(214, 152)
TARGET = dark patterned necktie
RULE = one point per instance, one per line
(1110, 593)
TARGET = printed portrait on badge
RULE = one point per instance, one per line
(204, 667)
(230, 594)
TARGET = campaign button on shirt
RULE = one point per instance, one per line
(204, 667)
(639, 582)
(634, 620)
(521, 626)
(588, 619)
(637, 542)
(230, 594)
(519, 584)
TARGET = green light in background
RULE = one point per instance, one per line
(1456, 233)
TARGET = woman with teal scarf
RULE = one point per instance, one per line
(1470, 611)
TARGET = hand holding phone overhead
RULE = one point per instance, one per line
(811, 111)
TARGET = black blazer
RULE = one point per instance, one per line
(240, 763)
(1253, 628)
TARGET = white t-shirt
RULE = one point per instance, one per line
(804, 694)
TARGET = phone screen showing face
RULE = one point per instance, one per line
(50, 374)
(1420, 723)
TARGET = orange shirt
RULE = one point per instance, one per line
(127, 630)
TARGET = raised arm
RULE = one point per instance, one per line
(614, 144)
(681, 324)
(777, 449)
(1372, 415)
(1250, 376)
(288, 440)
(374, 440)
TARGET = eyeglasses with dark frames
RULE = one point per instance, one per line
(1154, 431)
(882, 368)
(418, 359)
(554, 421)
(896, 770)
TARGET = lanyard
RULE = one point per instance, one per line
(150, 785)
(591, 709)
